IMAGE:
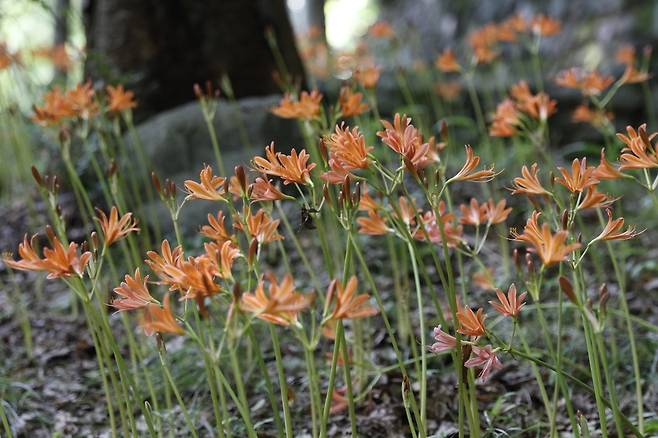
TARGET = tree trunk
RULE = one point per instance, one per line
(160, 48)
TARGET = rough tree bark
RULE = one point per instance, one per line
(160, 48)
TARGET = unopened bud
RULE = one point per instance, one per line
(197, 91)
(156, 182)
(516, 258)
(252, 252)
(324, 153)
(37, 176)
(95, 243)
(237, 292)
(242, 178)
(443, 130)
(50, 233)
(565, 219)
(567, 288)
(112, 169)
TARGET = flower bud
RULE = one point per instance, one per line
(567, 288)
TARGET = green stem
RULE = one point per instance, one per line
(283, 385)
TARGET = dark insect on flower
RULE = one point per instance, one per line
(307, 218)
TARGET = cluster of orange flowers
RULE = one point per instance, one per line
(485, 40)
(509, 113)
(80, 102)
(472, 324)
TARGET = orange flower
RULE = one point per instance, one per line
(473, 214)
(215, 229)
(120, 99)
(290, 168)
(195, 276)
(115, 229)
(452, 233)
(605, 170)
(306, 108)
(639, 152)
(381, 29)
(349, 304)
(496, 213)
(612, 230)
(634, 76)
(597, 118)
(551, 248)
(209, 187)
(280, 306)
(581, 177)
(58, 261)
(222, 255)
(374, 224)
(509, 305)
(133, 292)
(545, 26)
(158, 319)
(263, 190)
(56, 107)
(468, 173)
(366, 203)
(82, 100)
(589, 83)
(349, 148)
(447, 62)
(367, 76)
(625, 55)
(406, 140)
(449, 90)
(260, 226)
(528, 183)
(350, 102)
(505, 120)
(470, 323)
(166, 265)
(338, 401)
(594, 199)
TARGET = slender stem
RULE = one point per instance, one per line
(423, 345)
(172, 384)
(283, 385)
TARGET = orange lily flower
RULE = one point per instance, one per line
(580, 178)
(505, 119)
(290, 168)
(468, 173)
(133, 293)
(594, 199)
(545, 26)
(260, 226)
(195, 277)
(509, 305)
(473, 214)
(471, 323)
(625, 55)
(528, 183)
(120, 99)
(639, 152)
(55, 108)
(58, 261)
(349, 148)
(448, 90)
(262, 189)
(605, 170)
(453, 234)
(597, 118)
(115, 229)
(612, 230)
(403, 138)
(589, 83)
(381, 29)
(215, 229)
(158, 319)
(367, 76)
(280, 306)
(306, 108)
(222, 255)
(496, 213)
(367, 203)
(447, 62)
(349, 304)
(373, 225)
(351, 103)
(209, 188)
(166, 265)
(551, 248)
(82, 100)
